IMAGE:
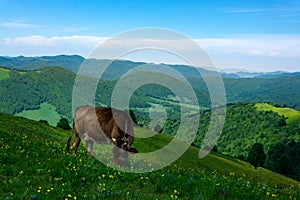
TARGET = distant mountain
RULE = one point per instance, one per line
(118, 67)
(71, 63)
(245, 74)
(276, 87)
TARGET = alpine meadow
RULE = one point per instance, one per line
(39, 168)
(158, 100)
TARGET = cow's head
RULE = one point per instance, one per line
(125, 143)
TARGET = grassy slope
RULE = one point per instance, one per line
(34, 166)
(212, 162)
(46, 112)
(293, 116)
(4, 73)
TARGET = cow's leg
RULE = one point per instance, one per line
(70, 137)
(68, 143)
(89, 147)
(119, 155)
(76, 142)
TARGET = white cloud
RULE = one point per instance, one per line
(266, 45)
(38, 40)
(18, 24)
(281, 52)
(36, 45)
(261, 10)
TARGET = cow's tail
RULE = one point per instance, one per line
(70, 137)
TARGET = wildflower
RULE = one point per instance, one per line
(48, 190)
(274, 195)
(38, 191)
(69, 195)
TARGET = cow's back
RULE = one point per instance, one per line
(87, 125)
(88, 120)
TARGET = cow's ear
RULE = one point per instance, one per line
(133, 150)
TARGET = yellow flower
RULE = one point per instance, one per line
(274, 195)
(48, 190)
(69, 195)
(39, 191)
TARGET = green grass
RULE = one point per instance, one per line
(192, 108)
(46, 112)
(33, 165)
(4, 73)
(293, 116)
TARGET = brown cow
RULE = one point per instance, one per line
(104, 126)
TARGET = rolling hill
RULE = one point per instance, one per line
(292, 116)
(118, 67)
(71, 63)
(34, 166)
(28, 90)
(246, 125)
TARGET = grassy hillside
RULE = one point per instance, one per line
(45, 112)
(4, 73)
(293, 116)
(35, 166)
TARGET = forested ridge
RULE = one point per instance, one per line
(245, 126)
(26, 90)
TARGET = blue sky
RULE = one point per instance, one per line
(256, 35)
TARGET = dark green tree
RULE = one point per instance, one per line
(63, 124)
(158, 128)
(285, 105)
(133, 117)
(257, 156)
(43, 121)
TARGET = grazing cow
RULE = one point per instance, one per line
(103, 125)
